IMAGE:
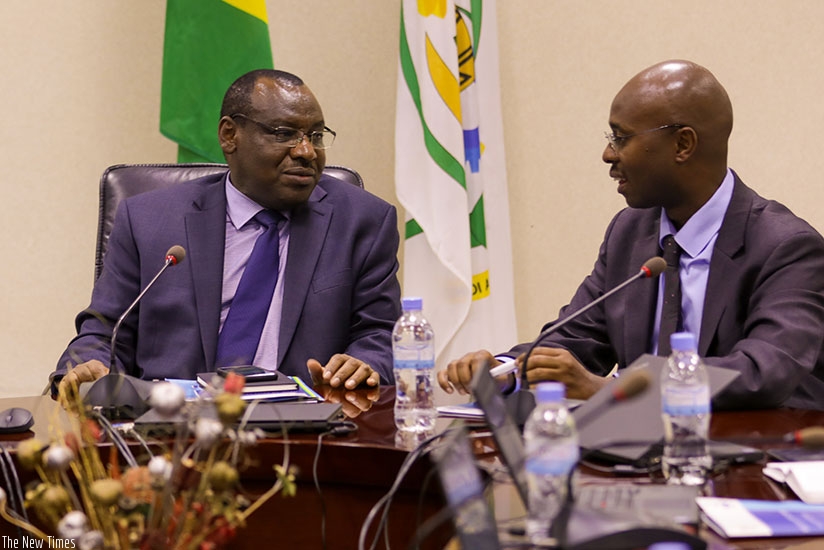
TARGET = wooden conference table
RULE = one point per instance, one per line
(355, 470)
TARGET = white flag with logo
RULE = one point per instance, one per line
(450, 175)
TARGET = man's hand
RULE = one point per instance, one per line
(559, 365)
(353, 402)
(343, 371)
(84, 372)
(458, 374)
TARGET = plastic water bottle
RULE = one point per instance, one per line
(413, 350)
(685, 406)
(551, 442)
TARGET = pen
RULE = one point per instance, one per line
(504, 368)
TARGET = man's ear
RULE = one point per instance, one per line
(686, 143)
(227, 134)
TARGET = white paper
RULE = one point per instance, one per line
(805, 478)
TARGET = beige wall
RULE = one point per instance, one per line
(81, 85)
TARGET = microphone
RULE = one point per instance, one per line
(174, 256)
(522, 402)
(118, 395)
(807, 438)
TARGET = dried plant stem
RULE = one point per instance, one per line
(88, 503)
(272, 490)
(20, 523)
(259, 501)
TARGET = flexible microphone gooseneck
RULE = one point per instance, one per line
(522, 402)
(174, 256)
(807, 438)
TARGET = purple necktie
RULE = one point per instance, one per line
(238, 341)
(671, 308)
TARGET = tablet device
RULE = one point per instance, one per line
(270, 417)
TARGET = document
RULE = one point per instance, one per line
(291, 388)
(805, 478)
(743, 518)
(464, 410)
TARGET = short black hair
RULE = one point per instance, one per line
(238, 98)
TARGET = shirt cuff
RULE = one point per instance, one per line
(513, 383)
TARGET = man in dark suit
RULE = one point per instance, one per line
(751, 272)
(333, 305)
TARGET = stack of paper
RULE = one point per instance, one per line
(805, 478)
(282, 383)
(286, 388)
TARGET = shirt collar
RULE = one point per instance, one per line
(702, 226)
(239, 207)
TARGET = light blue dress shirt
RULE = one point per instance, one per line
(241, 234)
(697, 241)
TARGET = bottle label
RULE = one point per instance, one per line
(686, 401)
(553, 460)
(417, 364)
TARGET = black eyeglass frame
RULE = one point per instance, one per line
(297, 138)
(616, 142)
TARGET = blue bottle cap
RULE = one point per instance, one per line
(669, 546)
(412, 303)
(682, 341)
(550, 392)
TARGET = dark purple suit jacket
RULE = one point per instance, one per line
(341, 291)
(763, 312)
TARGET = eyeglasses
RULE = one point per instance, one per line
(616, 141)
(291, 137)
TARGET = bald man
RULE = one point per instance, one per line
(751, 272)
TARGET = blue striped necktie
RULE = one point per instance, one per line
(238, 341)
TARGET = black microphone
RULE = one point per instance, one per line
(522, 402)
(118, 395)
(174, 256)
(807, 438)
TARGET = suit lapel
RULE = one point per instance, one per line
(307, 232)
(639, 313)
(205, 235)
(722, 266)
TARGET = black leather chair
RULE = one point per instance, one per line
(124, 180)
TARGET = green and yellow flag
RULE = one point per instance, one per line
(450, 175)
(209, 43)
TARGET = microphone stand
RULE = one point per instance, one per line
(521, 402)
(171, 259)
(118, 394)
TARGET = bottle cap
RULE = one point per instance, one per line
(669, 546)
(412, 303)
(682, 341)
(550, 392)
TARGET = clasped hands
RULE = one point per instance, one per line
(545, 364)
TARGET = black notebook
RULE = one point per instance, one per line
(279, 382)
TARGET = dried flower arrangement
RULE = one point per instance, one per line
(186, 495)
